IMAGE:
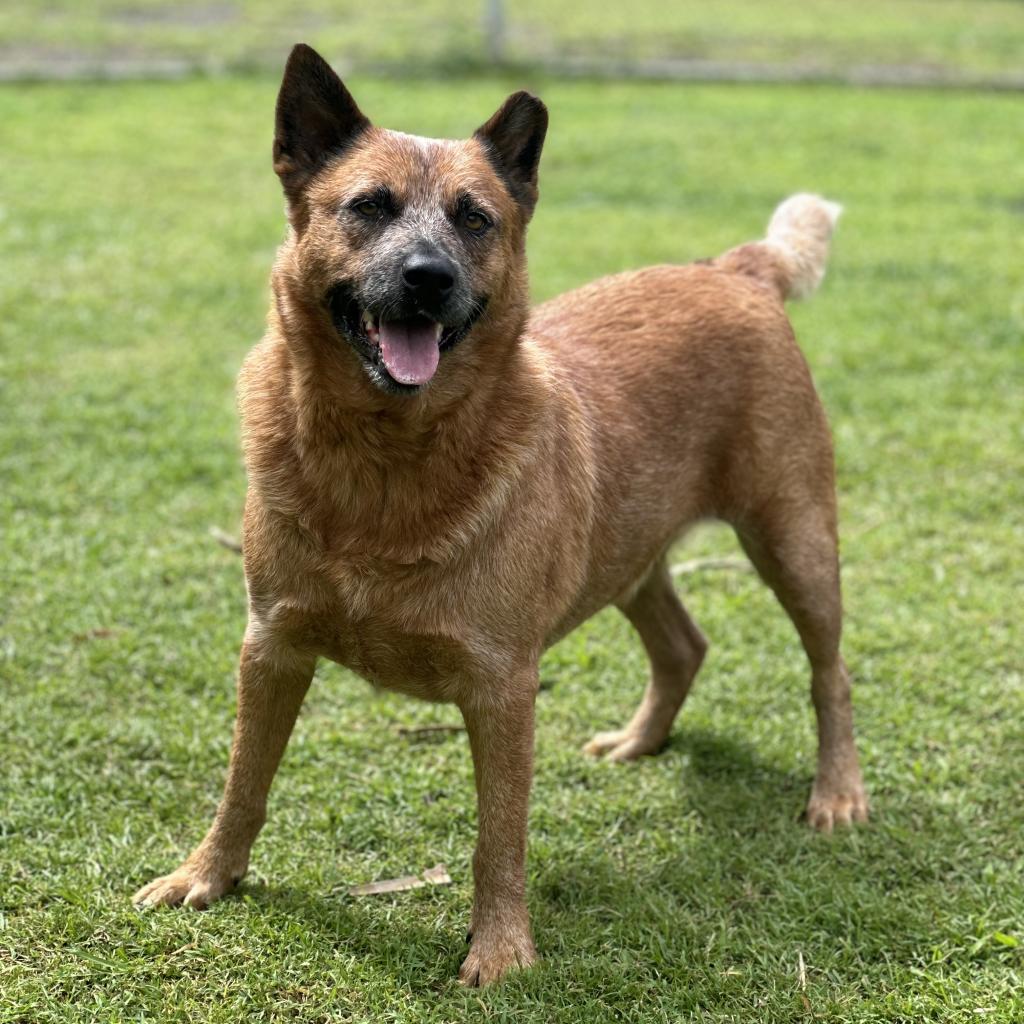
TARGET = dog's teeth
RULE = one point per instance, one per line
(367, 321)
(438, 328)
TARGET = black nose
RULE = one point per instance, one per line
(429, 275)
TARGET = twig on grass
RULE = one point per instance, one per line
(428, 730)
(801, 980)
(225, 540)
(700, 564)
(437, 875)
(100, 633)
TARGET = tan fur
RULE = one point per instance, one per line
(437, 543)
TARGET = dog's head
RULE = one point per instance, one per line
(407, 245)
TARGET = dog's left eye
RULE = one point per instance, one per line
(476, 221)
(368, 208)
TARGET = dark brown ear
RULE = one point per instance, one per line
(316, 119)
(513, 138)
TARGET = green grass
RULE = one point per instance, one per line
(137, 226)
(972, 36)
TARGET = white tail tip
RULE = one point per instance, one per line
(800, 230)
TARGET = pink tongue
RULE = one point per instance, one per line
(409, 350)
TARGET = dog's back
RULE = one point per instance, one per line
(714, 406)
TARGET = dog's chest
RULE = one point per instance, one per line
(404, 628)
(429, 666)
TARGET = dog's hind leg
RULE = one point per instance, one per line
(794, 548)
(676, 648)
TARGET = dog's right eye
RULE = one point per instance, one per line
(368, 208)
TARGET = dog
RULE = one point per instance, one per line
(443, 483)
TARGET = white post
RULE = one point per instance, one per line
(494, 29)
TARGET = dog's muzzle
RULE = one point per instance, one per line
(402, 347)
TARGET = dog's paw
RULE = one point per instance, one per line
(188, 886)
(493, 953)
(826, 810)
(621, 745)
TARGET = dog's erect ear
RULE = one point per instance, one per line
(513, 138)
(316, 119)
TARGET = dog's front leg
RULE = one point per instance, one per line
(272, 682)
(500, 730)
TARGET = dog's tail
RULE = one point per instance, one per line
(791, 258)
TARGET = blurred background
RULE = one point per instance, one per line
(935, 41)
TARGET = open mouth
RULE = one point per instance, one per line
(402, 354)
(410, 349)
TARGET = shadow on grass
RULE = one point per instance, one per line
(728, 779)
(412, 950)
(749, 874)
(744, 870)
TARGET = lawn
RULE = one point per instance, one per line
(137, 227)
